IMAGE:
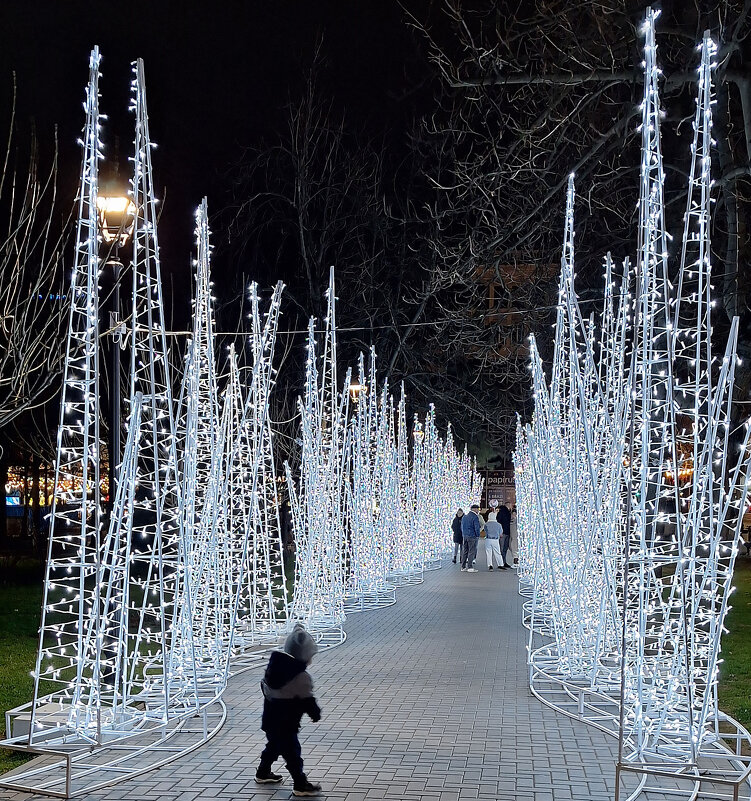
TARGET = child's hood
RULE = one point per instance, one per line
(282, 668)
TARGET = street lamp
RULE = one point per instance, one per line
(356, 389)
(117, 215)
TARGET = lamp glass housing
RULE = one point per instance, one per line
(117, 215)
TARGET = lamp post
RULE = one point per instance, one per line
(116, 215)
(356, 390)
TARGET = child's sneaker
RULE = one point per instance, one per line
(267, 777)
(304, 787)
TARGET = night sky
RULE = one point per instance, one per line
(218, 76)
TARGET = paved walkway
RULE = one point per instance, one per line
(426, 701)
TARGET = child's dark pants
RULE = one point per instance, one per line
(283, 743)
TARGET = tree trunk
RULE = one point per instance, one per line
(25, 503)
(37, 509)
(3, 502)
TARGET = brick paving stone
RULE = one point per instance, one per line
(427, 700)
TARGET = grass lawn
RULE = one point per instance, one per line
(735, 672)
(20, 607)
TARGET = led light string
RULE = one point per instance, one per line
(150, 605)
(629, 499)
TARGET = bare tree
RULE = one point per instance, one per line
(32, 298)
(33, 311)
(529, 93)
(326, 195)
(317, 197)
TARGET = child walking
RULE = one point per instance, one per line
(287, 696)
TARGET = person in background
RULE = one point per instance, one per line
(456, 528)
(504, 518)
(493, 533)
(513, 547)
(471, 527)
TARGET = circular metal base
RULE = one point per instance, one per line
(406, 578)
(722, 772)
(329, 637)
(73, 769)
(373, 599)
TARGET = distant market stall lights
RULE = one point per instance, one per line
(21, 482)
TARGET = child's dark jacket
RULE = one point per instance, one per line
(287, 694)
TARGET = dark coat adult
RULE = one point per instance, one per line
(504, 518)
(456, 527)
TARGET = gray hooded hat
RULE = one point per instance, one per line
(300, 645)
